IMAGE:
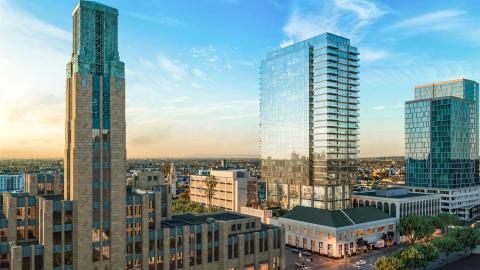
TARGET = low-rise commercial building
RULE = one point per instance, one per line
(234, 189)
(336, 233)
(398, 202)
(462, 202)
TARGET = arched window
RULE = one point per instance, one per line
(393, 209)
(386, 207)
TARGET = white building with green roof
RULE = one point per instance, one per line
(335, 233)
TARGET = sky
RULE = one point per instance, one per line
(192, 68)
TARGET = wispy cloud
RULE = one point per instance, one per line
(437, 20)
(456, 22)
(371, 55)
(210, 57)
(199, 73)
(342, 17)
(398, 106)
(162, 20)
(379, 108)
(175, 68)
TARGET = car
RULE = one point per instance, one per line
(294, 250)
(306, 253)
(360, 262)
(300, 264)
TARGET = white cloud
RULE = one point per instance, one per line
(455, 22)
(199, 73)
(286, 43)
(163, 20)
(398, 106)
(366, 11)
(341, 17)
(438, 20)
(176, 70)
(372, 55)
(379, 108)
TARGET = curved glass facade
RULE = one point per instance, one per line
(309, 122)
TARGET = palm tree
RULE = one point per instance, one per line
(210, 183)
(185, 195)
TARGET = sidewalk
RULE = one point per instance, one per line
(377, 252)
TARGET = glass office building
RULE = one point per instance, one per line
(309, 122)
(441, 141)
(441, 129)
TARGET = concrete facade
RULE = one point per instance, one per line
(337, 240)
(463, 202)
(399, 205)
(234, 189)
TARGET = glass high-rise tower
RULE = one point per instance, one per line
(441, 140)
(95, 150)
(309, 122)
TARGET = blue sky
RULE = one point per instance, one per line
(192, 67)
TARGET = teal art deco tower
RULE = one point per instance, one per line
(95, 139)
(309, 122)
(441, 140)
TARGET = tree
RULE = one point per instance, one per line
(468, 237)
(416, 227)
(429, 251)
(411, 258)
(185, 194)
(387, 263)
(210, 183)
(443, 220)
(447, 244)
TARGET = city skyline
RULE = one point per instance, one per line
(185, 98)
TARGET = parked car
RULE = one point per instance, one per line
(294, 250)
(306, 253)
(360, 262)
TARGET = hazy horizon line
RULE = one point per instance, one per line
(196, 157)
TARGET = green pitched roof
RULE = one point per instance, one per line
(365, 214)
(335, 218)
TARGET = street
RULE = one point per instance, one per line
(322, 262)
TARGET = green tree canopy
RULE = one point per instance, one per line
(429, 251)
(411, 258)
(387, 263)
(443, 220)
(466, 236)
(447, 244)
(416, 227)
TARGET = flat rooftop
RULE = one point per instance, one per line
(336, 218)
(192, 219)
(374, 194)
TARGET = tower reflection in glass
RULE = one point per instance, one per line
(309, 122)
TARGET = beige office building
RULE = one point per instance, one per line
(234, 189)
